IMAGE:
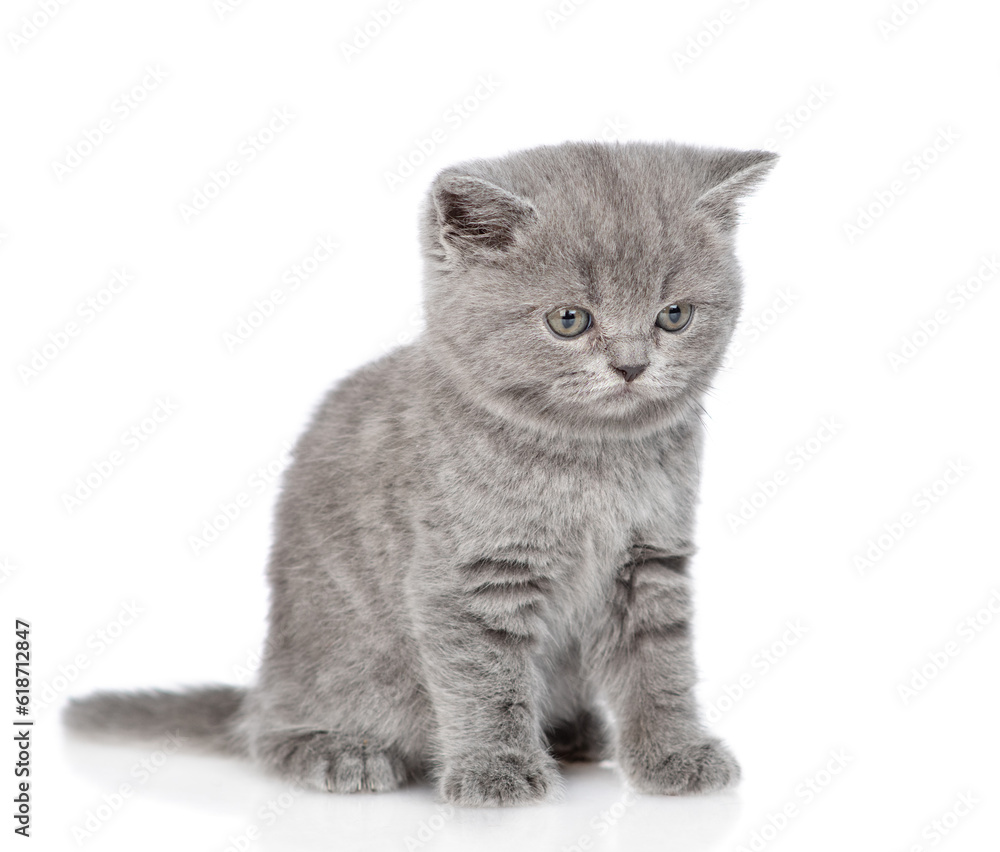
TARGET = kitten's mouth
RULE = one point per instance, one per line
(622, 390)
(625, 398)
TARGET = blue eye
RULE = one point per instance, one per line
(675, 317)
(568, 322)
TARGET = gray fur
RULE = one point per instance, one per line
(481, 550)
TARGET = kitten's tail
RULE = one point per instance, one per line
(206, 715)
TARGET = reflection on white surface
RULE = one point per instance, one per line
(236, 807)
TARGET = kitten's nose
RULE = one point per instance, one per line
(630, 371)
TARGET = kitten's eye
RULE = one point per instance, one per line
(675, 317)
(568, 322)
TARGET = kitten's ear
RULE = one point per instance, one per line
(476, 217)
(730, 176)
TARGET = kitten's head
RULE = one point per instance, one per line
(586, 287)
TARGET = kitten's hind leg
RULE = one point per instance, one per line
(575, 728)
(337, 762)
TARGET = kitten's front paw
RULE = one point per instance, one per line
(490, 779)
(699, 767)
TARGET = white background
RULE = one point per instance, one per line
(854, 103)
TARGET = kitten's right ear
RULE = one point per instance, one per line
(477, 218)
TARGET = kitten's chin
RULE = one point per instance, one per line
(622, 411)
(632, 421)
(632, 410)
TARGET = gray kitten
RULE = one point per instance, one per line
(481, 554)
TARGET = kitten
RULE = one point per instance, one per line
(481, 555)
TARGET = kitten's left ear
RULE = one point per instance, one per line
(731, 175)
(476, 217)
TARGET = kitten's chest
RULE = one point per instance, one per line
(569, 511)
